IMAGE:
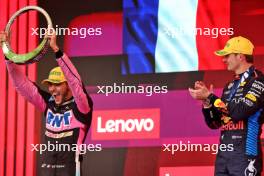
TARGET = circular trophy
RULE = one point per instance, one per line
(38, 52)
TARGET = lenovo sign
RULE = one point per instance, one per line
(129, 125)
(126, 124)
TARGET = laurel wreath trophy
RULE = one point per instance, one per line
(38, 52)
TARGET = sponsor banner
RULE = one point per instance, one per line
(126, 124)
(178, 122)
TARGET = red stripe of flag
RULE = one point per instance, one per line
(212, 14)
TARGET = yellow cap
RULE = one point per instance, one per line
(56, 76)
(240, 45)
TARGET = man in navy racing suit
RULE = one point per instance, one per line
(238, 113)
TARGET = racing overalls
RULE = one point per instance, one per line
(66, 124)
(239, 115)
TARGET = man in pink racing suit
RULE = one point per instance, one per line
(67, 108)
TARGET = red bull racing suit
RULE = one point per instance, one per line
(239, 115)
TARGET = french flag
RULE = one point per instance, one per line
(157, 36)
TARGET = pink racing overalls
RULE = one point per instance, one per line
(66, 124)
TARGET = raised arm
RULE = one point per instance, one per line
(74, 81)
(72, 76)
(21, 83)
(25, 87)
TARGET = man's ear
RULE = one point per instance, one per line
(242, 57)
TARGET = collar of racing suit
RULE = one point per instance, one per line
(66, 102)
(249, 72)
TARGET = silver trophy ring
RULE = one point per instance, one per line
(37, 53)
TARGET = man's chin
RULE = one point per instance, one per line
(58, 102)
(229, 68)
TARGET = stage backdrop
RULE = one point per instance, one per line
(150, 43)
(19, 127)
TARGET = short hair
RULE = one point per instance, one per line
(249, 58)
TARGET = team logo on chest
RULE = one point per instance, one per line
(57, 120)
